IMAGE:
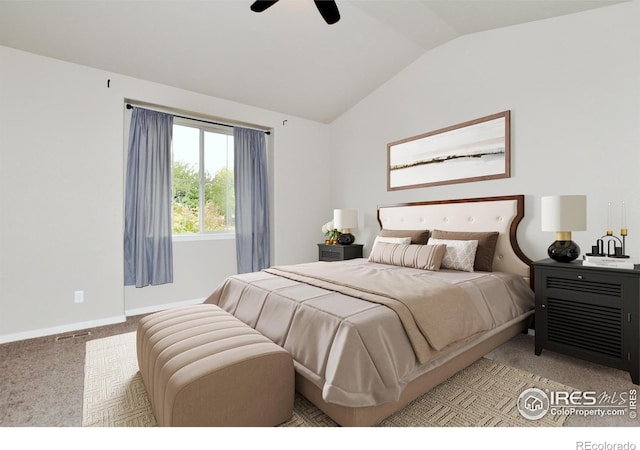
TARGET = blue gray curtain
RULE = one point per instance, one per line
(252, 201)
(148, 253)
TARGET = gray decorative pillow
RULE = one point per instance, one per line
(459, 255)
(487, 241)
(425, 257)
(417, 236)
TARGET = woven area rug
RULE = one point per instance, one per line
(482, 395)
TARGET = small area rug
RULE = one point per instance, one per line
(482, 395)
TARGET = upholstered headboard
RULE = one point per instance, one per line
(501, 214)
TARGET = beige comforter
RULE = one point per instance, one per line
(360, 352)
(432, 312)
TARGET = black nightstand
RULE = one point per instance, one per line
(589, 312)
(328, 252)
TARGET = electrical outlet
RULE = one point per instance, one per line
(78, 296)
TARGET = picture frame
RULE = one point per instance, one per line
(476, 150)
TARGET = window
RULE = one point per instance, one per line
(203, 194)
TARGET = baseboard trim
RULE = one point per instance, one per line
(156, 308)
(31, 334)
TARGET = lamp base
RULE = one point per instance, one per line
(563, 251)
(346, 239)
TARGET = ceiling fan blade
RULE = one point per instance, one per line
(261, 5)
(329, 10)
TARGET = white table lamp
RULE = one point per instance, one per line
(563, 214)
(344, 220)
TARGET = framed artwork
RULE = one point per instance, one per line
(470, 151)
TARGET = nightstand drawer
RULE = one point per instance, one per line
(331, 253)
(327, 252)
(584, 286)
(584, 283)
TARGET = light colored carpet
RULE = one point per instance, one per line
(483, 395)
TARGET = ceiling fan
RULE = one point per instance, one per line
(328, 8)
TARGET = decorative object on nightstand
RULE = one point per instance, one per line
(613, 255)
(331, 233)
(592, 313)
(564, 214)
(344, 220)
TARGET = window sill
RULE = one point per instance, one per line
(203, 237)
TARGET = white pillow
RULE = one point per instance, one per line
(390, 240)
(460, 255)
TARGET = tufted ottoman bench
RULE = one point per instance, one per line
(201, 366)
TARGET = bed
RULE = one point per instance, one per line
(368, 336)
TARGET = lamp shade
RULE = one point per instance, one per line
(345, 219)
(564, 213)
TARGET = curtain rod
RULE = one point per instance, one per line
(129, 106)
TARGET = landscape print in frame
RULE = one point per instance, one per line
(470, 151)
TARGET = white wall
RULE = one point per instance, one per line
(571, 83)
(61, 196)
(573, 87)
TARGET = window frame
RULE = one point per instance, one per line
(202, 127)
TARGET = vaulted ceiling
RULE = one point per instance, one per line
(285, 59)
